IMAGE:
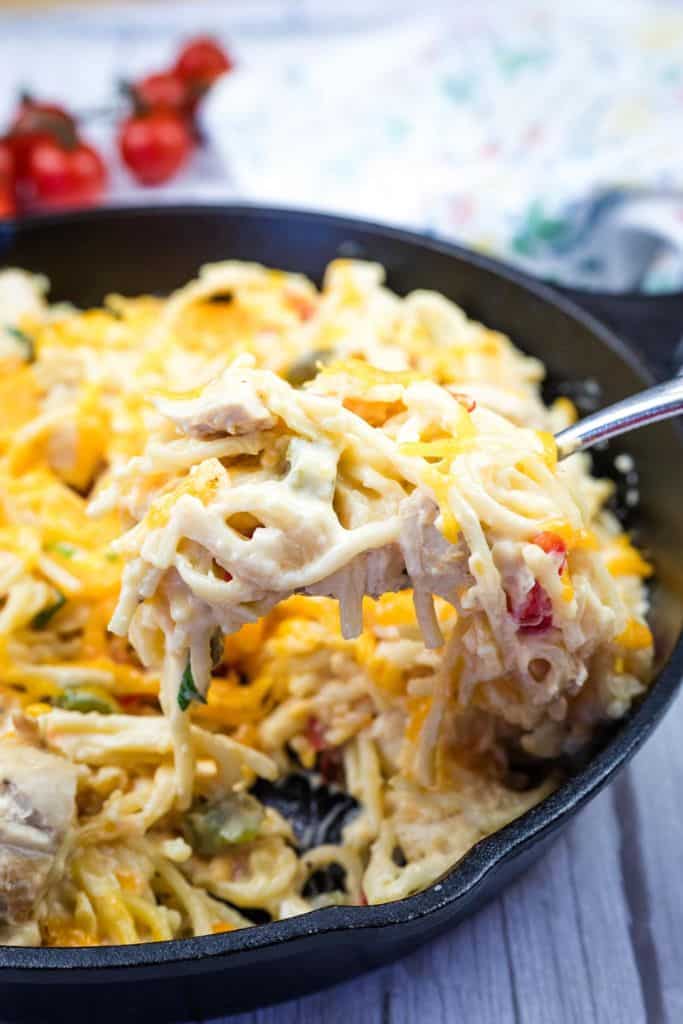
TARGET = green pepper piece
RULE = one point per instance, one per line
(80, 698)
(306, 366)
(212, 828)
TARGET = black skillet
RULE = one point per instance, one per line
(154, 250)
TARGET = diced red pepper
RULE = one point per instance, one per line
(552, 544)
(315, 734)
(329, 761)
(300, 304)
(535, 614)
(468, 403)
(130, 701)
(331, 766)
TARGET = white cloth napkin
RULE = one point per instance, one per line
(519, 128)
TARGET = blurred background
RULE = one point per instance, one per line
(546, 134)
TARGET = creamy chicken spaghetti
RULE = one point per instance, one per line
(298, 603)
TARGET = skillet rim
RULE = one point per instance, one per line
(94, 964)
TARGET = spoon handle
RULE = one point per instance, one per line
(657, 403)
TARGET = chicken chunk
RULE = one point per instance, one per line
(37, 807)
(228, 405)
(432, 563)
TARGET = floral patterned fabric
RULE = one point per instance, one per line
(520, 129)
(545, 133)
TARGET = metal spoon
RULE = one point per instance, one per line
(658, 403)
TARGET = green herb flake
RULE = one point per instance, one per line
(26, 342)
(41, 619)
(111, 556)
(63, 549)
(188, 691)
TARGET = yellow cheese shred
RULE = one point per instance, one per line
(636, 636)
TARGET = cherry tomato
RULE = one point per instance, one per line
(7, 165)
(202, 60)
(165, 89)
(59, 176)
(21, 146)
(35, 121)
(8, 202)
(155, 146)
(37, 118)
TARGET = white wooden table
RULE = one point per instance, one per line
(591, 935)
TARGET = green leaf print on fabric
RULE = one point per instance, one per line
(537, 230)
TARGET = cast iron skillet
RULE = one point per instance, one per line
(139, 250)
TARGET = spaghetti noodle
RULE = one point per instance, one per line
(342, 447)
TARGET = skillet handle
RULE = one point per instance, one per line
(651, 324)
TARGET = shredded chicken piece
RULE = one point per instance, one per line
(298, 540)
(37, 808)
(241, 411)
